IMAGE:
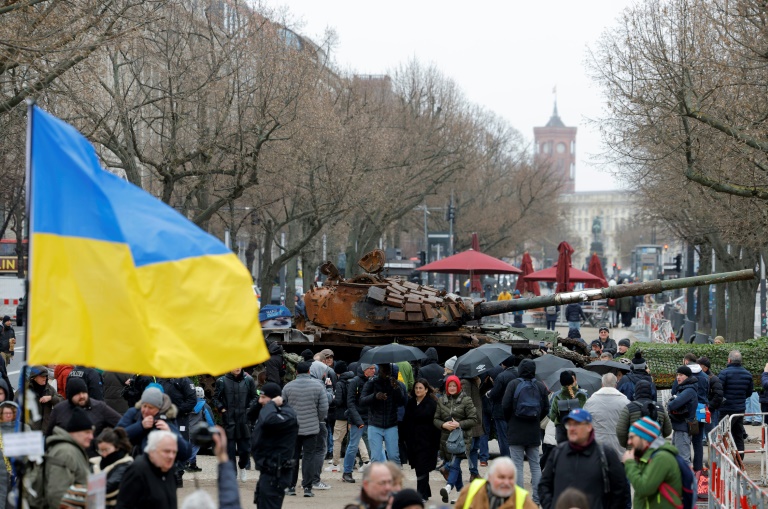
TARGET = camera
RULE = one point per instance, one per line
(202, 435)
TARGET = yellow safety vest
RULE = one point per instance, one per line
(520, 494)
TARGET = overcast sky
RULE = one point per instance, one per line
(505, 55)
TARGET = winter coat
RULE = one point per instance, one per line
(715, 392)
(93, 380)
(383, 413)
(657, 465)
(682, 408)
(737, 387)
(632, 412)
(4, 373)
(308, 399)
(145, 485)
(6, 335)
(275, 365)
(405, 374)
(67, 464)
(356, 413)
(274, 438)
(61, 373)
(496, 394)
(764, 383)
(481, 499)
(100, 414)
(583, 470)
(606, 406)
(340, 395)
(431, 370)
(564, 395)
(459, 408)
(574, 313)
(232, 396)
(472, 390)
(113, 390)
(137, 434)
(5, 388)
(523, 431)
(625, 305)
(702, 389)
(610, 346)
(421, 436)
(552, 316)
(627, 384)
(46, 408)
(182, 394)
(115, 466)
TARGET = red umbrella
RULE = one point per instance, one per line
(576, 276)
(470, 262)
(596, 269)
(525, 285)
(564, 265)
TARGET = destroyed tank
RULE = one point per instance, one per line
(370, 309)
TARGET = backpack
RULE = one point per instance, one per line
(686, 475)
(291, 360)
(455, 443)
(527, 400)
(649, 409)
(35, 483)
(550, 310)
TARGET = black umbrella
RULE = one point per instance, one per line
(587, 380)
(548, 364)
(603, 367)
(393, 352)
(481, 359)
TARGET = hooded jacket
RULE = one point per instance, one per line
(702, 389)
(715, 391)
(657, 465)
(431, 370)
(383, 413)
(472, 390)
(113, 390)
(137, 434)
(500, 383)
(45, 408)
(308, 399)
(523, 432)
(682, 408)
(458, 407)
(357, 415)
(628, 382)
(737, 387)
(275, 365)
(606, 405)
(68, 465)
(92, 379)
(61, 373)
(340, 395)
(633, 412)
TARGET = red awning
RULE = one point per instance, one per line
(470, 261)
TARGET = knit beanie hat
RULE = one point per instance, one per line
(624, 342)
(638, 363)
(307, 355)
(645, 428)
(566, 378)
(450, 363)
(152, 396)
(271, 390)
(406, 498)
(79, 421)
(75, 386)
(685, 370)
(341, 367)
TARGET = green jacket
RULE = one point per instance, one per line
(461, 408)
(564, 395)
(68, 465)
(647, 475)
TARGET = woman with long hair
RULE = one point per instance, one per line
(421, 436)
(114, 458)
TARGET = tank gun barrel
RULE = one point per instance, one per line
(611, 292)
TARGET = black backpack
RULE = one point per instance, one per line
(527, 399)
(646, 408)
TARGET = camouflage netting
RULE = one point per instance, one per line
(664, 359)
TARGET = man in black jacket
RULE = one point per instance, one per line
(92, 379)
(737, 387)
(496, 395)
(357, 416)
(233, 396)
(7, 339)
(273, 443)
(583, 464)
(275, 365)
(382, 395)
(682, 410)
(149, 481)
(715, 395)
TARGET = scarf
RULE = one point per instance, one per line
(38, 389)
(111, 458)
(494, 502)
(580, 448)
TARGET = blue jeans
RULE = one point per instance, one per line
(454, 474)
(518, 453)
(474, 449)
(574, 325)
(753, 407)
(193, 457)
(355, 435)
(378, 438)
(501, 436)
(330, 436)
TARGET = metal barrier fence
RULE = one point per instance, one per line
(729, 485)
(650, 320)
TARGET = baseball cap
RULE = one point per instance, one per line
(578, 415)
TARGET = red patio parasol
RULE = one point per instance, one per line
(575, 275)
(525, 285)
(596, 269)
(564, 266)
(470, 262)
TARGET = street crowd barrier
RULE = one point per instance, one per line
(729, 485)
(650, 320)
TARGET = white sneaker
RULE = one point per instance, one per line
(333, 468)
(444, 492)
(320, 486)
(242, 475)
(361, 467)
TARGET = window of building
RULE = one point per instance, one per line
(573, 147)
(573, 171)
(560, 148)
(546, 147)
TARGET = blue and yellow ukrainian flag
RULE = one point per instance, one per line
(121, 281)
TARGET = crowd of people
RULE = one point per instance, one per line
(322, 416)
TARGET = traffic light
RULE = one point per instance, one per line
(679, 262)
(423, 257)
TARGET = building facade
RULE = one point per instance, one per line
(555, 144)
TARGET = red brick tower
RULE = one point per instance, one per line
(556, 144)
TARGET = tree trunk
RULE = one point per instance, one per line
(705, 267)
(720, 302)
